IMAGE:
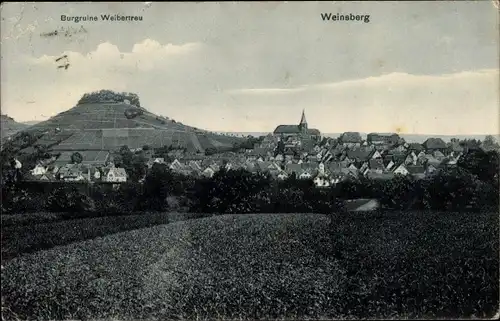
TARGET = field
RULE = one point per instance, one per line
(28, 233)
(407, 265)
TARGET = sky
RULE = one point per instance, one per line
(414, 68)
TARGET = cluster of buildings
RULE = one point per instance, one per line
(292, 150)
(44, 171)
(295, 150)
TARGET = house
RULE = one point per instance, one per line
(321, 181)
(364, 168)
(47, 177)
(333, 167)
(352, 168)
(417, 171)
(376, 165)
(430, 170)
(388, 164)
(39, 169)
(208, 172)
(176, 165)
(399, 149)
(382, 138)
(411, 159)
(282, 175)
(115, 174)
(306, 174)
(376, 154)
(71, 172)
(359, 154)
(433, 144)
(350, 139)
(380, 176)
(415, 147)
(438, 155)
(95, 173)
(401, 170)
(293, 168)
(430, 159)
(337, 178)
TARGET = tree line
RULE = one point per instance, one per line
(472, 185)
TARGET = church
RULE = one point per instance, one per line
(298, 131)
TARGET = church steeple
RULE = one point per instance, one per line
(303, 123)
(303, 120)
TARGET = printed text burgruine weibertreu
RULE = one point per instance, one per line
(102, 17)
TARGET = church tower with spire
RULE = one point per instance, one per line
(303, 124)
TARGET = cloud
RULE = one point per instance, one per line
(144, 56)
(465, 102)
(206, 86)
(147, 64)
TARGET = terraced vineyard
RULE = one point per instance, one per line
(106, 127)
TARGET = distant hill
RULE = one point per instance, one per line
(9, 126)
(97, 124)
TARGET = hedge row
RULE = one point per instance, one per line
(239, 191)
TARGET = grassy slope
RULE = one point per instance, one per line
(266, 266)
(8, 127)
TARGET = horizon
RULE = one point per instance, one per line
(435, 74)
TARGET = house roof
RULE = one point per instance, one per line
(375, 175)
(376, 164)
(415, 146)
(434, 143)
(334, 167)
(293, 168)
(350, 137)
(416, 169)
(359, 154)
(382, 137)
(294, 129)
(438, 154)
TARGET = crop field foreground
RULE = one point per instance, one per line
(411, 265)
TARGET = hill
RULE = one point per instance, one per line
(98, 123)
(9, 126)
(251, 267)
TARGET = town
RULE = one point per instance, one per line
(291, 150)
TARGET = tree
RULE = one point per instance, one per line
(490, 143)
(210, 151)
(157, 187)
(482, 164)
(76, 158)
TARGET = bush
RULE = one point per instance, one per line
(64, 199)
(109, 96)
